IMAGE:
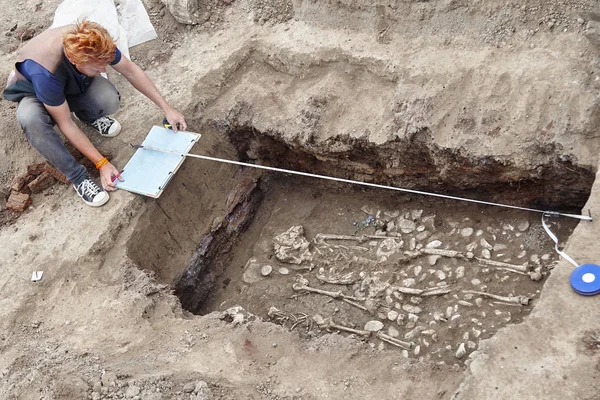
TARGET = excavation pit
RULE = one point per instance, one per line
(306, 253)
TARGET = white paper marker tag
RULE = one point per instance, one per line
(36, 276)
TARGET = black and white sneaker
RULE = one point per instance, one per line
(91, 193)
(107, 126)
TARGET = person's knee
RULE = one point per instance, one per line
(108, 96)
(31, 120)
(113, 102)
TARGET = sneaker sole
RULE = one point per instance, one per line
(98, 204)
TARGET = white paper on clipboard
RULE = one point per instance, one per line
(148, 171)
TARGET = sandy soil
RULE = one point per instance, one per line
(348, 86)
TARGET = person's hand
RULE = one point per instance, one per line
(176, 120)
(108, 173)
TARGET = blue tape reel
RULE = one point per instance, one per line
(585, 279)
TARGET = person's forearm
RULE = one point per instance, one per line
(80, 141)
(144, 84)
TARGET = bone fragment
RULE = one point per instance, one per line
(502, 303)
(522, 300)
(436, 291)
(394, 341)
(320, 238)
(336, 295)
(327, 323)
(406, 290)
(500, 264)
(355, 304)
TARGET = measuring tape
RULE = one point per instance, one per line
(585, 279)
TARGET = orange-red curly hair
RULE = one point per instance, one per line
(88, 42)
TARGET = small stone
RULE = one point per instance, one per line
(283, 271)
(471, 345)
(417, 270)
(523, 225)
(449, 311)
(392, 315)
(189, 387)
(405, 353)
(479, 301)
(484, 243)
(433, 259)
(545, 257)
(499, 247)
(408, 282)
(534, 258)
(460, 272)
(412, 244)
(393, 332)
(475, 282)
(266, 270)
(406, 226)
(373, 326)
(416, 214)
(417, 350)
(522, 254)
(441, 275)
(466, 232)
(413, 317)
(412, 309)
(422, 235)
(461, 351)
(132, 391)
(485, 253)
(202, 391)
(471, 246)
(434, 244)
(416, 300)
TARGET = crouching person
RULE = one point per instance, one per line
(57, 73)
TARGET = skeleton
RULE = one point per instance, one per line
(522, 300)
(327, 323)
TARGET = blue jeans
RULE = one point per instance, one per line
(100, 99)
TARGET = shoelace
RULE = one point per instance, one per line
(103, 124)
(88, 188)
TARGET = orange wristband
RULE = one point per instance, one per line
(101, 163)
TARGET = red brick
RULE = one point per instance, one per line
(19, 182)
(36, 169)
(41, 183)
(18, 202)
(59, 176)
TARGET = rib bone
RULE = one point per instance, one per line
(522, 300)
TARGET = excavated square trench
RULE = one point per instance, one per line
(418, 268)
(424, 276)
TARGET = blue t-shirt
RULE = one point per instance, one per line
(49, 89)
